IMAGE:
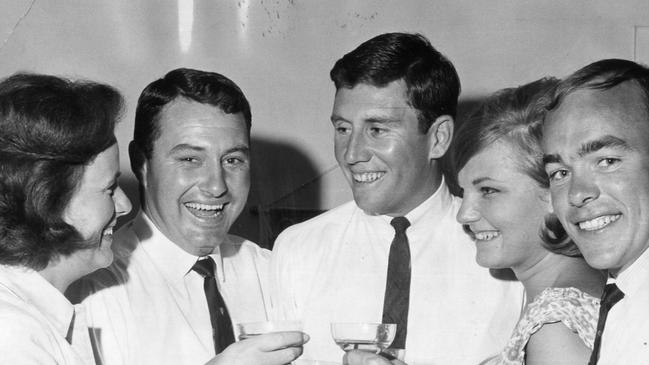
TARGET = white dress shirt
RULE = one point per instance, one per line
(625, 339)
(35, 319)
(332, 268)
(149, 307)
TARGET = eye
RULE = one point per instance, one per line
(233, 161)
(608, 162)
(486, 190)
(377, 131)
(188, 159)
(111, 189)
(342, 129)
(557, 175)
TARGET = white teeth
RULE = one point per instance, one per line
(598, 223)
(368, 177)
(108, 231)
(205, 207)
(486, 235)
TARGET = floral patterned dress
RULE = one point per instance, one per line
(574, 308)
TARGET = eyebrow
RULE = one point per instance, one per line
(187, 147)
(551, 158)
(240, 148)
(607, 141)
(481, 180)
(370, 119)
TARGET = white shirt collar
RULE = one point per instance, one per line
(440, 199)
(31, 287)
(171, 260)
(632, 279)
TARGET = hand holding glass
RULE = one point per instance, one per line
(370, 337)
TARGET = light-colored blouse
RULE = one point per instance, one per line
(574, 308)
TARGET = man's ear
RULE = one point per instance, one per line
(440, 135)
(138, 162)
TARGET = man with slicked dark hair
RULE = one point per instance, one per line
(395, 254)
(180, 281)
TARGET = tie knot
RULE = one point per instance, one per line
(205, 267)
(400, 224)
(612, 294)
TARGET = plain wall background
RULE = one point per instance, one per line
(280, 53)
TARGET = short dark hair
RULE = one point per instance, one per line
(200, 86)
(515, 116)
(432, 83)
(50, 130)
(603, 75)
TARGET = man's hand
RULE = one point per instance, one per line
(277, 348)
(357, 357)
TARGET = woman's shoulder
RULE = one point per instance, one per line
(573, 306)
(575, 309)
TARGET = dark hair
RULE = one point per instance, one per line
(50, 130)
(603, 75)
(200, 86)
(432, 83)
(515, 116)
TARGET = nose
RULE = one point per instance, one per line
(356, 148)
(467, 213)
(213, 181)
(582, 190)
(122, 203)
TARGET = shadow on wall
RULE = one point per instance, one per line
(285, 190)
(278, 198)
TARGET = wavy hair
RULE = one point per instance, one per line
(50, 129)
(515, 115)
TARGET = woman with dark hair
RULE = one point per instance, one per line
(59, 201)
(507, 211)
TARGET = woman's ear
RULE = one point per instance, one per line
(440, 135)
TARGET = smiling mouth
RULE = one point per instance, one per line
(486, 235)
(205, 210)
(598, 223)
(368, 177)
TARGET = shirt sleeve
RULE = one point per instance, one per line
(26, 343)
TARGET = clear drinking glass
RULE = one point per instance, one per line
(250, 329)
(371, 337)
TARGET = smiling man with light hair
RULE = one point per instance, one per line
(596, 145)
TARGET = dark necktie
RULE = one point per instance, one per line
(68, 336)
(612, 294)
(397, 286)
(221, 324)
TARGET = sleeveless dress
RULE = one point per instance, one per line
(574, 308)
